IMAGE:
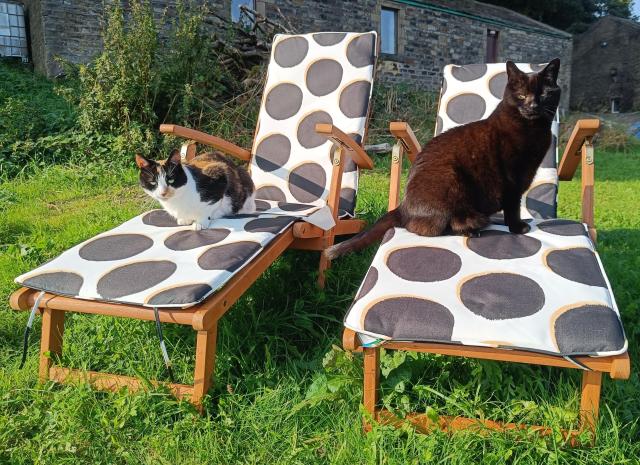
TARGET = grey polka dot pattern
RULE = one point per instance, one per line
(180, 295)
(187, 240)
(291, 51)
(115, 247)
(361, 50)
(228, 257)
(327, 39)
(293, 207)
(347, 199)
(410, 318)
(270, 193)
(469, 72)
(438, 125)
(64, 282)
(466, 108)
(271, 225)
(408, 263)
(273, 152)
(283, 101)
(497, 84)
(307, 135)
(500, 289)
(261, 205)
(369, 282)
(172, 267)
(353, 99)
(563, 228)
(576, 264)
(334, 73)
(541, 200)
(501, 245)
(307, 182)
(589, 329)
(323, 77)
(134, 278)
(159, 218)
(499, 296)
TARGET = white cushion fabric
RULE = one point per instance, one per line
(312, 78)
(151, 261)
(545, 291)
(471, 93)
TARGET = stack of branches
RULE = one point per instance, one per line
(243, 52)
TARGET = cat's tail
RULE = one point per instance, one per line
(365, 238)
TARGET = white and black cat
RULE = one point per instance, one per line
(200, 190)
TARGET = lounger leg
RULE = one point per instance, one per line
(371, 381)
(325, 263)
(51, 340)
(590, 399)
(205, 363)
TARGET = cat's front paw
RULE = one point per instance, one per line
(520, 227)
(183, 222)
(199, 226)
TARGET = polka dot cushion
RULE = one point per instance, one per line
(470, 93)
(312, 78)
(151, 261)
(545, 291)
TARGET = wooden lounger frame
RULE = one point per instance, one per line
(203, 318)
(578, 149)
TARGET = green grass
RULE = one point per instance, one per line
(283, 394)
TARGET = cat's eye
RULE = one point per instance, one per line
(152, 183)
(170, 181)
(522, 97)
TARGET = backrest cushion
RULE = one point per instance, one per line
(312, 78)
(470, 93)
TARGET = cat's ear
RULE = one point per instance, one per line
(175, 157)
(550, 72)
(142, 162)
(513, 72)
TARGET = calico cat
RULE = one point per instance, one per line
(198, 191)
(472, 171)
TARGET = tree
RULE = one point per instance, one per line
(570, 15)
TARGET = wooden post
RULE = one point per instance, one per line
(396, 173)
(51, 340)
(333, 201)
(590, 400)
(371, 381)
(588, 182)
(205, 363)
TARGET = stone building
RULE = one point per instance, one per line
(418, 37)
(606, 67)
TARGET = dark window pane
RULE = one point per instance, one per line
(388, 30)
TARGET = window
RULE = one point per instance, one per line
(492, 46)
(615, 105)
(235, 8)
(389, 31)
(13, 35)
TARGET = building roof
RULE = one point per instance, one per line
(622, 22)
(490, 14)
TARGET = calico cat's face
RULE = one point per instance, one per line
(161, 179)
(535, 95)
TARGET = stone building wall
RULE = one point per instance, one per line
(430, 35)
(606, 65)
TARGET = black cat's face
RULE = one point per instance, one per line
(161, 180)
(535, 95)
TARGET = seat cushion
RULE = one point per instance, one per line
(545, 291)
(151, 261)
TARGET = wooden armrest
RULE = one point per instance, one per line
(584, 129)
(206, 139)
(352, 148)
(403, 132)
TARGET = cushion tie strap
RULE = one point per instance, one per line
(163, 347)
(577, 363)
(27, 330)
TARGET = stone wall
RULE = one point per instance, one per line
(428, 38)
(606, 65)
